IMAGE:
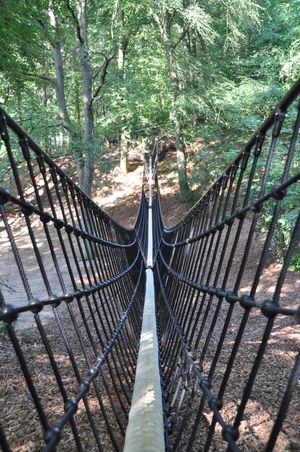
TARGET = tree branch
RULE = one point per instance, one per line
(102, 66)
(76, 22)
(103, 75)
(69, 129)
(170, 19)
(181, 38)
(156, 18)
(42, 77)
(34, 15)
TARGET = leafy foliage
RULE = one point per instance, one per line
(218, 67)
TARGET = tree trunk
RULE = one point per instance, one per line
(89, 160)
(163, 21)
(88, 112)
(180, 151)
(61, 97)
(77, 149)
(46, 130)
(123, 133)
(175, 116)
(123, 140)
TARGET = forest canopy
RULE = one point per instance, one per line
(77, 74)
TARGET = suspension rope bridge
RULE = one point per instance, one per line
(139, 350)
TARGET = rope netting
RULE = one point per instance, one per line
(228, 322)
(71, 372)
(227, 317)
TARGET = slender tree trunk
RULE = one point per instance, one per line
(163, 21)
(88, 115)
(175, 116)
(180, 150)
(77, 149)
(123, 133)
(61, 97)
(19, 102)
(88, 112)
(77, 102)
(46, 130)
(123, 140)
(63, 112)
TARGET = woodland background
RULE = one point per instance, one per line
(89, 78)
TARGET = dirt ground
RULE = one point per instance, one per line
(119, 196)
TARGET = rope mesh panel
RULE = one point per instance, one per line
(72, 330)
(83, 282)
(218, 324)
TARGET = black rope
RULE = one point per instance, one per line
(201, 265)
(90, 272)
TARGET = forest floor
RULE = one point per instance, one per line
(119, 196)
